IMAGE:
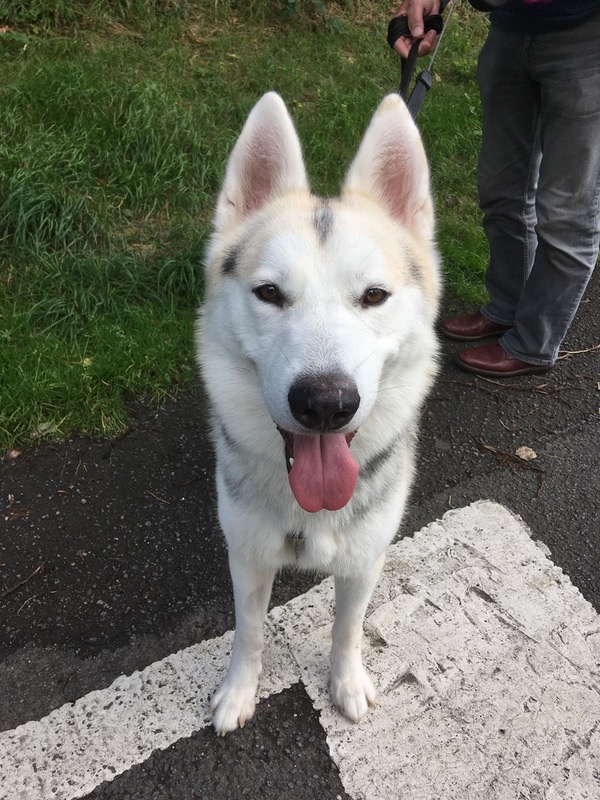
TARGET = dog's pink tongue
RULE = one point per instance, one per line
(324, 472)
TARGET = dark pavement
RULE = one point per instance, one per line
(111, 557)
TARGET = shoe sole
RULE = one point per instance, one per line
(485, 373)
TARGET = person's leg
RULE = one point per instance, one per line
(507, 170)
(566, 65)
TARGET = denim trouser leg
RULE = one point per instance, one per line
(539, 181)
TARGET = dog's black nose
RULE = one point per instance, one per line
(324, 403)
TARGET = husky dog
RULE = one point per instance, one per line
(317, 347)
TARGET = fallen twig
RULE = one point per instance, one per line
(22, 582)
(569, 353)
(541, 388)
(511, 459)
(156, 497)
(513, 462)
(35, 597)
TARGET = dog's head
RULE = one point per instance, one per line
(323, 304)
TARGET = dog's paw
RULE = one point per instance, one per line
(232, 706)
(353, 694)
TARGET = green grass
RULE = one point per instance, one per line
(115, 124)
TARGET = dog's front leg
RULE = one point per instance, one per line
(234, 702)
(351, 688)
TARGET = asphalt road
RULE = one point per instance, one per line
(111, 557)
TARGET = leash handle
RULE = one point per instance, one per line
(397, 27)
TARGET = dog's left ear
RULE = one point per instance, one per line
(265, 163)
(391, 167)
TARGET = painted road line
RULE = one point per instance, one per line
(78, 746)
(484, 654)
(486, 659)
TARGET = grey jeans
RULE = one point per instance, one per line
(539, 181)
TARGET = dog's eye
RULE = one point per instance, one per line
(374, 297)
(269, 293)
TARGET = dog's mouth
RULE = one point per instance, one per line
(321, 469)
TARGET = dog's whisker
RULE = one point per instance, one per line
(392, 388)
(283, 353)
(361, 363)
(239, 369)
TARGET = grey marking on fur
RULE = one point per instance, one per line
(229, 264)
(375, 463)
(227, 437)
(296, 539)
(323, 220)
(234, 486)
(415, 272)
(363, 510)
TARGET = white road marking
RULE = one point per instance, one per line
(484, 654)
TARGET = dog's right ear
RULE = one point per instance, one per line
(266, 162)
(391, 167)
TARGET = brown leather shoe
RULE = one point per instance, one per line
(471, 327)
(490, 360)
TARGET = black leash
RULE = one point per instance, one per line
(397, 27)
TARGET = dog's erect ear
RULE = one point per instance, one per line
(391, 167)
(265, 163)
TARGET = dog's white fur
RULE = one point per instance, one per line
(321, 257)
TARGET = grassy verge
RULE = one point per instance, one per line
(115, 123)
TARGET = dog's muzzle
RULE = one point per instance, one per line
(322, 470)
(323, 403)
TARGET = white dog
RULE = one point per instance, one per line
(317, 348)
